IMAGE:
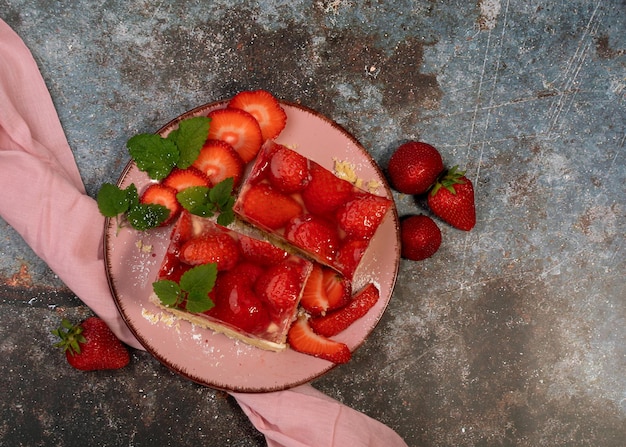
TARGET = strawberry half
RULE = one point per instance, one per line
(265, 108)
(91, 345)
(261, 252)
(325, 290)
(159, 194)
(237, 128)
(314, 234)
(218, 248)
(325, 191)
(279, 286)
(219, 161)
(302, 339)
(288, 170)
(180, 179)
(349, 256)
(237, 304)
(268, 207)
(360, 217)
(339, 320)
(452, 200)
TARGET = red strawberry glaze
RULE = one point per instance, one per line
(321, 216)
(249, 292)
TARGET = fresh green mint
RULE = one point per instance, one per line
(192, 293)
(157, 156)
(206, 202)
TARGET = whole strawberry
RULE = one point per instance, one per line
(91, 345)
(420, 237)
(414, 167)
(452, 200)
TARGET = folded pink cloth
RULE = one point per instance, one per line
(45, 201)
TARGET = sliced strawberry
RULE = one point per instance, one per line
(261, 252)
(237, 304)
(180, 179)
(314, 299)
(313, 234)
(219, 161)
(325, 290)
(288, 171)
(325, 192)
(339, 320)
(159, 194)
(268, 207)
(218, 248)
(237, 128)
(302, 339)
(361, 216)
(279, 286)
(350, 255)
(338, 289)
(265, 108)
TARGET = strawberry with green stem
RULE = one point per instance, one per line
(452, 199)
(91, 345)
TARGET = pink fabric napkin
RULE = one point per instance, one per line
(45, 201)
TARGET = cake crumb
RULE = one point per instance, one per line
(346, 171)
(145, 248)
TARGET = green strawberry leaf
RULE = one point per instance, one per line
(198, 283)
(195, 199)
(153, 154)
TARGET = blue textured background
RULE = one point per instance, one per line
(512, 334)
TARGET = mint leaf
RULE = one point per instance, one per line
(145, 216)
(221, 193)
(153, 154)
(198, 283)
(195, 199)
(112, 200)
(169, 292)
(189, 138)
(227, 217)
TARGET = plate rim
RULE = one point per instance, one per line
(163, 131)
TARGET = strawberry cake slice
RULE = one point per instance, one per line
(307, 206)
(257, 286)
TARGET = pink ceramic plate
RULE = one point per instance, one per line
(133, 259)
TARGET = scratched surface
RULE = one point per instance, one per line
(512, 334)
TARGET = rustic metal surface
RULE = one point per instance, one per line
(512, 334)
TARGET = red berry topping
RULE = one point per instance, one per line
(219, 161)
(261, 252)
(218, 248)
(302, 339)
(279, 286)
(360, 217)
(314, 234)
(237, 128)
(288, 171)
(268, 207)
(265, 108)
(420, 237)
(350, 255)
(414, 167)
(325, 191)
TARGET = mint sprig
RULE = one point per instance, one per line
(157, 156)
(115, 202)
(192, 292)
(206, 202)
